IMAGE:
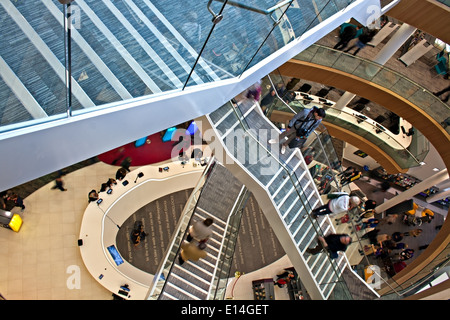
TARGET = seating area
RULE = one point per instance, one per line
(442, 66)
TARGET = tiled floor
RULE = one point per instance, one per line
(36, 260)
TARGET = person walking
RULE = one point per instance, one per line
(362, 41)
(190, 251)
(332, 243)
(59, 183)
(347, 33)
(126, 163)
(299, 128)
(439, 93)
(339, 202)
(201, 231)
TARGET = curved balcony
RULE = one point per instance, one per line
(394, 152)
(321, 64)
(379, 84)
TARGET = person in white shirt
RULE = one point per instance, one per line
(339, 202)
(201, 231)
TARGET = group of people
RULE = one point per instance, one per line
(120, 175)
(10, 199)
(385, 245)
(284, 278)
(138, 234)
(333, 243)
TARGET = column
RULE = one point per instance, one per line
(408, 194)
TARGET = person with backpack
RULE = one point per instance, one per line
(339, 202)
(299, 128)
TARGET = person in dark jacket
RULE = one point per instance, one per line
(333, 243)
(299, 128)
(346, 34)
(362, 41)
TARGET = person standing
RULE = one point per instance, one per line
(92, 196)
(299, 128)
(18, 201)
(121, 173)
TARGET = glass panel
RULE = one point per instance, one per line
(32, 71)
(126, 49)
(380, 75)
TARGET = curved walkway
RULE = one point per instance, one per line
(419, 118)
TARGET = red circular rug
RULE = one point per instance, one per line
(144, 151)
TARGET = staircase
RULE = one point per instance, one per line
(285, 180)
(193, 280)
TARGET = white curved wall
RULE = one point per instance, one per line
(99, 225)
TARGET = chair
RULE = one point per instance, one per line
(441, 67)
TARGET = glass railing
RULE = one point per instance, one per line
(325, 158)
(446, 2)
(380, 75)
(291, 181)
(379, 137)
(222, 274)
(69, 59)
(172, 252)
(420, 279)
(319, 146)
